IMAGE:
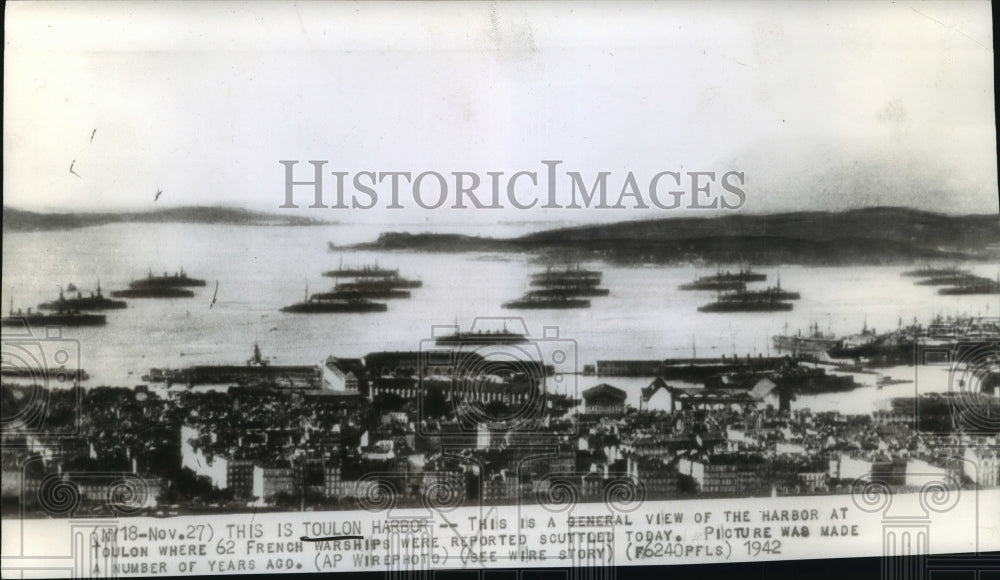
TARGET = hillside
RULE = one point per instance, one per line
(16, 220)
(873, 235)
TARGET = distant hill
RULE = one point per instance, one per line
(871, 236)
(17, 220)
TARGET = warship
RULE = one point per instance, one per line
(366, 271)
(482, 337)
(153, 292)
(711, 284)
(352, 291)
(949, 280)
(884, 350)
(575, 277)
(177, 280)
(570, 291)
(96, 301)
(928, 272)
(383, 283)
(778, 293)
(315, 306)
(568, 273)
(815, 342)
(59, 318)
(975, 285)
(760, 301)
(958, 335)
(533, 302)
(556, 282)
(741, 275)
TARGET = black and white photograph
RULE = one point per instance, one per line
(300, 287)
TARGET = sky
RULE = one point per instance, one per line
(825, 106)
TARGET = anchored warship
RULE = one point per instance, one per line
(96, 301)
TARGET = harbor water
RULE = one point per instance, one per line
(261, 269)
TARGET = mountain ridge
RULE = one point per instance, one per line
(869, 235)
(19, 220)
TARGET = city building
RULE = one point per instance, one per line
(604, 399)
(342, 376)
(733, 475)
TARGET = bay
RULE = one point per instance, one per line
(261, 269)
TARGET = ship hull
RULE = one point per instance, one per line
(481, 339)
(573, 282)
(382, 284)
(782, 295)
(568, 274)
(742, 277)
(569, 292)
(165, 292)
(968, 291)
(84, 304)
(546, 305)
(946, 280)
(734, 307)
(334, 307)
(167, 282)
(55, 320)
(933, 272)
(356, 294)
(720, 285)
(361, 273)
(797, 344)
